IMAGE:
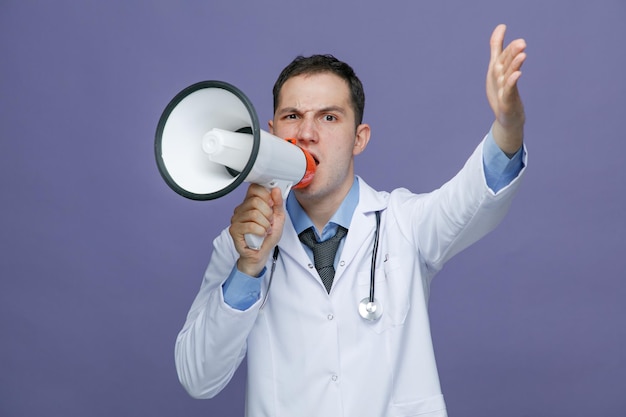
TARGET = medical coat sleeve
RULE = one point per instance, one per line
(451, 218)
(212, 343)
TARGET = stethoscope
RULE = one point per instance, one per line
(369, 307)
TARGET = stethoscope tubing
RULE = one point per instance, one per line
(369, 308)
(374, 256)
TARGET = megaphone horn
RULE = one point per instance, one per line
(208, 142)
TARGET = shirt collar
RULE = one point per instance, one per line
(342, 217)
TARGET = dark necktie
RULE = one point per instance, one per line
(324, 253)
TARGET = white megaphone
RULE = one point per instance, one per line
(208, 142)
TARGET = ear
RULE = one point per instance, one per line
(362, 138)
(270, 126)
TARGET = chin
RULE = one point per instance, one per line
(308, 192)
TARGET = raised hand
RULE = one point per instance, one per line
(502, 92)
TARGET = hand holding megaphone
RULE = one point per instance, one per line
(208, 142)
(278, 164)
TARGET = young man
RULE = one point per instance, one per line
(309, 350)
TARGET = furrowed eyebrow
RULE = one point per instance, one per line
(332, 109)
(329, 109)
(287, 110)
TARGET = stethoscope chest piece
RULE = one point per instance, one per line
(370, 310)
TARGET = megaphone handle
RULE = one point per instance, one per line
(253, 241)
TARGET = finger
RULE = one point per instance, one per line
(497, 41)
(511, 82)
(254, 209)
(277, 199)
(251, 221)
(278, 211)
(259, 191)
(257, 197)
(510, 56)
(513, 70)
(517, 61)
(255, 213)
(239, 230)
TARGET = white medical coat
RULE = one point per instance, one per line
(310, 353)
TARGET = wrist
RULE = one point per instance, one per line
(253, 269)
(509, 139)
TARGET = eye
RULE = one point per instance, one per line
(291, 116)
(329, 118)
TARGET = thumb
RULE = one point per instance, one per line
(278, 215)
(496, 42)
(277, 202)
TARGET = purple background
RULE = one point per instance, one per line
(100, 260)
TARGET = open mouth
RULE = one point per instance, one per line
(317, 161)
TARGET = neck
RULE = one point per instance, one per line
(321, 209)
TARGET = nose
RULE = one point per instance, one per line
(307, 130)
